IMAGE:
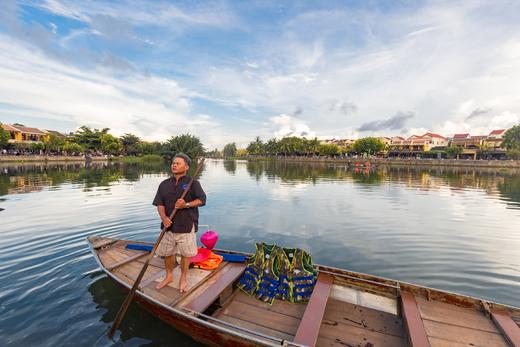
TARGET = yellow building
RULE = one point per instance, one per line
(25, 134)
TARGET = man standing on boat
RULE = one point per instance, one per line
(180, 237)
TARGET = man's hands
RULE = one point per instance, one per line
(180, 204)
(166, 222)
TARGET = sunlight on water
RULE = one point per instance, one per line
(455, 229)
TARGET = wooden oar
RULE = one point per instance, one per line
(128, 300)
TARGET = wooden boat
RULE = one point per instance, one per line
(346, 308)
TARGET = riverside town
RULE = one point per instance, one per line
(17, 139)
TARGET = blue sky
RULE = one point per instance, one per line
(227, 71)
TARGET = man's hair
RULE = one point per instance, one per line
(187, 159)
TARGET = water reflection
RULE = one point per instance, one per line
(138, 322)
(27, 178)
(506, 183)
(230, 166)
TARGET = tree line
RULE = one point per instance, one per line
(91, 141)
(301, 146)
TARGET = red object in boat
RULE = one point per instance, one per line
(202, 254)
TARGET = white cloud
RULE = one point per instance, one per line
(285, 125)
(429, 61)
(152, 107)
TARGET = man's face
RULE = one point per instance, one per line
(179, 166)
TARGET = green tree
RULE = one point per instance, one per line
(89, 139)
(313, 146)
(256, 147)
(130, 144)
(185, 143)
(154, 147)
(110, 144)
(454, 152)
(4, 137)
(368, 145)
(286, 146)
(512, 138)
(36, 147)
(72, 148)
(53, 144)
(242, 152)
(328, 149)
(230, 150)
(513, 154)
(272, 147)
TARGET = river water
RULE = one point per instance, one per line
(452, 229)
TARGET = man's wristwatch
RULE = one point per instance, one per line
(188, 205)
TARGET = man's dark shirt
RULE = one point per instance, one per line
(169, 192)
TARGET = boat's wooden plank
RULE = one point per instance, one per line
(436, 342)
(203, 297)
(454, 315)
(166, 295)
(126, 260)
(132, 270)
(152, 278)
(156, 261)
(255, 327)
(341, 335)
(109, 257)
(361, 298)
(259, 316)
(194, 277)
(279, 306)
(413, 321)
(468, 336)
(507, 326)
(99, 241)
(350, 314)
(309, 328)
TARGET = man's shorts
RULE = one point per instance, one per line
(184, 244)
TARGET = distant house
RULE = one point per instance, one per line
(466, 141)
(385, 140)
(436, 140)
(494, 139)
(20, 133)
(497, 134)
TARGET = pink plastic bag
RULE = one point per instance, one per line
(209, 239)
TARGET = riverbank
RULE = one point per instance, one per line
(77, 159)
(507, 164)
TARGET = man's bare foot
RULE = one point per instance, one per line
(183, 285)
(164, 282)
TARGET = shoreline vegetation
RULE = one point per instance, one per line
(362, 162)
(80, 159)
(354, 162)
(87, 144)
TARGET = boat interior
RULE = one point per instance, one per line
(345, 309)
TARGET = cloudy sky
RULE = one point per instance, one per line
(231, 70)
